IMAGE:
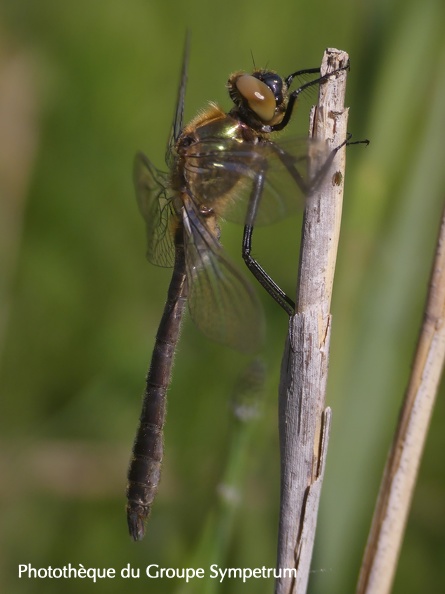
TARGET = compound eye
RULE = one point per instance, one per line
(259, 96)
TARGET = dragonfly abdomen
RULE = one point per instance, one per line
(145, 466)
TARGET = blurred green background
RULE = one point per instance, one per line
(82, 87)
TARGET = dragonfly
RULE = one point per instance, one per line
(222, 165)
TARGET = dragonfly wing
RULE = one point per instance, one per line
(239, 164)
(155, 206)
(222, 303)
(179, 110)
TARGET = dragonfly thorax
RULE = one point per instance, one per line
(215, 159)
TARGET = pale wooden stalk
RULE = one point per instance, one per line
(391, 512)
(304, 421)
(19, 125)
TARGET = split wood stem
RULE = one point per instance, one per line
(304, 420)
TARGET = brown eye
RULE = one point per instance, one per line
(258, 95)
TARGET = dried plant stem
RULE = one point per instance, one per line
(304, 421)
(388, 524)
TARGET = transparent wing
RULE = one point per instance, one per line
(222, 303)
(155, 205)
(179, 110)
(228, 168)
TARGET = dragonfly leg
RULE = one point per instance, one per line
(291, 77)
(255, 268)
(307, 188)
(295, 94)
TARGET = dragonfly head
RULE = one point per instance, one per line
(260, 98)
